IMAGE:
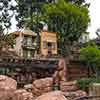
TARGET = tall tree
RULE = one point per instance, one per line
(68, 19)
(29, 13)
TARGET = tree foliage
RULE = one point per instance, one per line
(91, 54)
(29, 14)
(28, 8)
(67, 19)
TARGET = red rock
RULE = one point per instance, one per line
(7, 87)
(42, 83)
(80, 93)
(65, 83)
(68, 88)
(55, 95)
(22, 94)
(7, 82)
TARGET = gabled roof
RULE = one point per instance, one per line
(25, 32)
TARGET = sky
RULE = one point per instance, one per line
(94, 14)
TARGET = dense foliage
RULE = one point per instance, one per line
(91, 54)
(85, 83)
(67, 19)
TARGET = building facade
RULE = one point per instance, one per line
(26, 43)
(48, 43)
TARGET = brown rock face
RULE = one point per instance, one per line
(80, 93)
(7, 83)
(7, 87)
(41, 86)
(42, 83)
(68, 86)
(22, 94)
(56, 95)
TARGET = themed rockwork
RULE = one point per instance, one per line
(40, 89)
(61, 71)
(7, 87)
(43, 88)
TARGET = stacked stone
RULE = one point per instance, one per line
(41, 86)
(68, 86)
(71, 89)
(7, 87)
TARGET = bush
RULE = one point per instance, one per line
(84, 83)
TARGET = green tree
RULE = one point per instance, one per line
(30, 11)
(91, 54)
(70, 21)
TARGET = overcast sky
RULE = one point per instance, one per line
(94, 16)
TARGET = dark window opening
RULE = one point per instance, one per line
(49, 44)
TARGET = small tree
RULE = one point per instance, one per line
(91, 54)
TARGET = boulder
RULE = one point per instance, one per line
(55, 95)
(7, 82)
(7, 87)
(22, 94)
(80, 93)
(42, 83)
(66, 83)
(68, 86)
(41, 86)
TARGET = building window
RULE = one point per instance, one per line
(51, 45)
(44, 44)
(28, 53)
(28, 41)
